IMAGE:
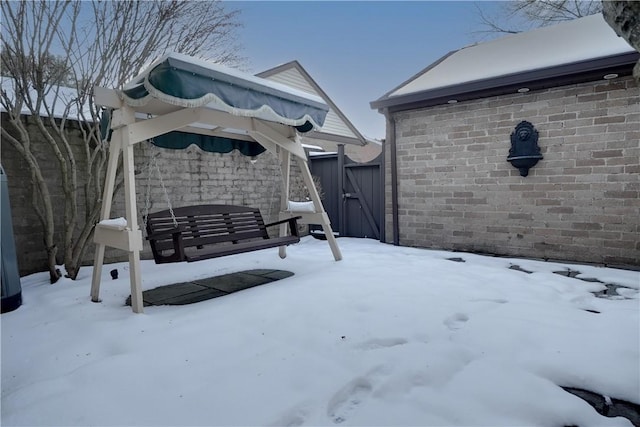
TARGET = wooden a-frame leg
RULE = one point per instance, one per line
(317, 203)
(132, 223)
(135, 277)
(107, 199)
(98, 261)
(285, 167)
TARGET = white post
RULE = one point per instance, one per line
(131, 214)
(107, 199)
(317, 203)
(130, 238)
(285, 167)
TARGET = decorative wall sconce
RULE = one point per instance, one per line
(524, 152)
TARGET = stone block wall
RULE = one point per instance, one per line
(580, 203)
(27, 229)
(190, 176)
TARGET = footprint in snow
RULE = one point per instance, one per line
(496, 300)
(347, 399)
(294, 417)
(377, 343)
(456, 321)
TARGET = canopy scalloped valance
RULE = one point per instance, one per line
(186, 82)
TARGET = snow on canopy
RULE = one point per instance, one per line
(566, 43)
(186, 82)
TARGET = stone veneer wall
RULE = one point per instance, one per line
(191, 177)
(580, 203)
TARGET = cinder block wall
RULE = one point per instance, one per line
(190, 176)
(580, 203)
(194, 177)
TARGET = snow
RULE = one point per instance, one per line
(573, 41)
(120, 223)
(300, 206)
(387, 336)
(62, 102)
(224, 70)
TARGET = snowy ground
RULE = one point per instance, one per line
(389, 336)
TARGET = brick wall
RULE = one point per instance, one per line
(581, 202)
(190, 176)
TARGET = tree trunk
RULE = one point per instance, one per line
(624, 18)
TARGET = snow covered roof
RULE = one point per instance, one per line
(584, 48)
(61, 101)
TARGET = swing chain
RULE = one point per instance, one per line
(166, 194)
(147, 203)
(153, 164)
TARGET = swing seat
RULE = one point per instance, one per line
(211, 231)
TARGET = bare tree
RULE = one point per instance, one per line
(98, 43)
(624, 18)
(521, 15)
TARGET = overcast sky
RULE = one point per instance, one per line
(357, 51)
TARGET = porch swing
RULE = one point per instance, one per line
(220, 110)
(195, 233)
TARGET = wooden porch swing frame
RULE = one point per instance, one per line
(282, 140)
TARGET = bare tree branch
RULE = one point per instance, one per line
(521, 15)
(47, 45)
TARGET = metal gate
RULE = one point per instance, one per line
(352, 194)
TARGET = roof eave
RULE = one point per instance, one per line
(577, 72)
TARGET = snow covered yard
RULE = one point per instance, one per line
(389, 336)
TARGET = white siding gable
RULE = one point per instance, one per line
(333, 124)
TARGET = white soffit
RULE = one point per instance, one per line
(573, 41)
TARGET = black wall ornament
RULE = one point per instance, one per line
(524, 152)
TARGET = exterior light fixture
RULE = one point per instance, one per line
(523, 90)
(253, 160)
(452, 101)
(610, 76)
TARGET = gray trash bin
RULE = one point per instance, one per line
(10, 276)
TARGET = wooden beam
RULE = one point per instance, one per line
(159, 125)
(317, 203)
(285, 168)
(265, 142)
(107, 198)
(224, 119)
(289, 142)
(131, 214)
(106, 97)
(216, 132)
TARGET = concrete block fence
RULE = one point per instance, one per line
(190, 176)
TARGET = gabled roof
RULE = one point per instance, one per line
(583, 49)
(337, 127)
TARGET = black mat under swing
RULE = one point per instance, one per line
(208, 288)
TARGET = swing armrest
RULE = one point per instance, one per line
(293, 224)
(175, 234)
(165, 234)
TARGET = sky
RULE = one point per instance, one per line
(389, 336)
(357, 51)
